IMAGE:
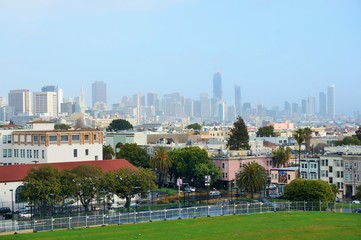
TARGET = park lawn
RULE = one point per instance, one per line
(292, 225)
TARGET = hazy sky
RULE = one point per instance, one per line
(275, 50)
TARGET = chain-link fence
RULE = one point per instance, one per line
(126, 216)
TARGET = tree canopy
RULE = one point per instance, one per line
(358, 192)
(125, 183)
(62, 126)
(281, 156)
(309, 190)
(238, 136)
(42, 186)
(162, 163)
(192, 164)
(45, 186)
(134, 154)
(358, 133)
(266, 131)
(349, 140)
(194, 126)
(119, 125)
(252, 178)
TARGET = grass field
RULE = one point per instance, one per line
(293, 225)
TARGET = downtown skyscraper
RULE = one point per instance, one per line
(99, 93)
(217, 86)
(331, 103)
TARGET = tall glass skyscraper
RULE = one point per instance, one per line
(99, 92)
(217, 86)
(331, 101)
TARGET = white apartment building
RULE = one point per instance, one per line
(332, 171)
(31, 145)
(310, 168)
(352, 174)
(45, 103)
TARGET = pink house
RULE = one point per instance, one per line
(280, 177)
(231, 166)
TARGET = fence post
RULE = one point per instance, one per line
(86, 221)
(304, 206)
(52, 224)
(208, 211)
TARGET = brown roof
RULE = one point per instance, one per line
(17, 173)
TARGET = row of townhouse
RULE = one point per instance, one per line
(38, 142)
(342, 170)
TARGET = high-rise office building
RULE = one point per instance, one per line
(59, 94)
(303, 106)
(45, 103)
(205, 105)
(311, 105)
(20, 101)
(189, 107)
(322, 104)
(237, 100)
(2, 102)
(217, 86)
(331, 101)
(99, 92)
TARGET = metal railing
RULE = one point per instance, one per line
(134, 216)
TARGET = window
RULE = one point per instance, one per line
(341, 185)
(222, 165)
(338, 174)
(36, 153)
(42, 139)
(86, 137)
(42, 154)
(22, 153)
(9, 138)
(342, 174)
(330, 180)
(95, 137)
(330, 169)
(53, 138)
(5, 153)
(64, 138)
(4, 139)
(35, 138)
(75, 153)
(323, 162)
(326, 162)
(10, 153)
(289, 177)
(75, 138)
(86, 152)
(28, 153)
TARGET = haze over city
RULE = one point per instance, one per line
(275, 51)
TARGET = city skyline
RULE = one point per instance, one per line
(274, 51)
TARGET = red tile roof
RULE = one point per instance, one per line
(17, 173)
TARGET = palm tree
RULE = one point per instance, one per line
(300, 137)
(108, 152)
(162, 163)
(307, 135)
(253, 178)
(281, 156)
(287, 157)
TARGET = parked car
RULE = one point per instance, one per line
(357, 210)
(356, 201)
(189, 189)
(215, 193)
(26, 215)
(23, 210)
(4, 210)
(275, 195)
